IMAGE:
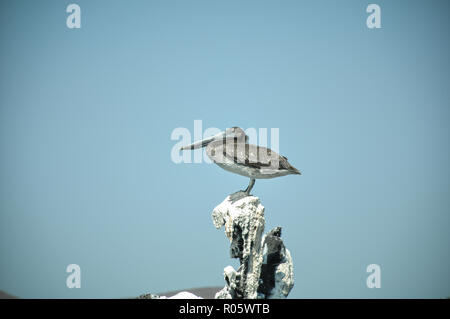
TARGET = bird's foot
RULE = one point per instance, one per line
(241, 194)
(238, 195)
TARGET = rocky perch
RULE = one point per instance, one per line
(266, 269)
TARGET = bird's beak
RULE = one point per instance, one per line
(204, 142)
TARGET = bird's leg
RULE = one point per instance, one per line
(250, 186)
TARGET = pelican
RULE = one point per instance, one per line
(230, 150)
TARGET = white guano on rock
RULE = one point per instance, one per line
(243, 218)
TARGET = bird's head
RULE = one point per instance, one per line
(235, 133)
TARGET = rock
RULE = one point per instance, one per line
(244, 225)
(277, 271)
(265, 269)
(180, 295)
(148, 296)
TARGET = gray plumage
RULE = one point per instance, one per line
(230, 151)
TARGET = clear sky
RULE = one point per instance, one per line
(86, 117)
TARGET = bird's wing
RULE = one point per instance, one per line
(255, 156)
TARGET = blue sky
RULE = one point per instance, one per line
(86, 117)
